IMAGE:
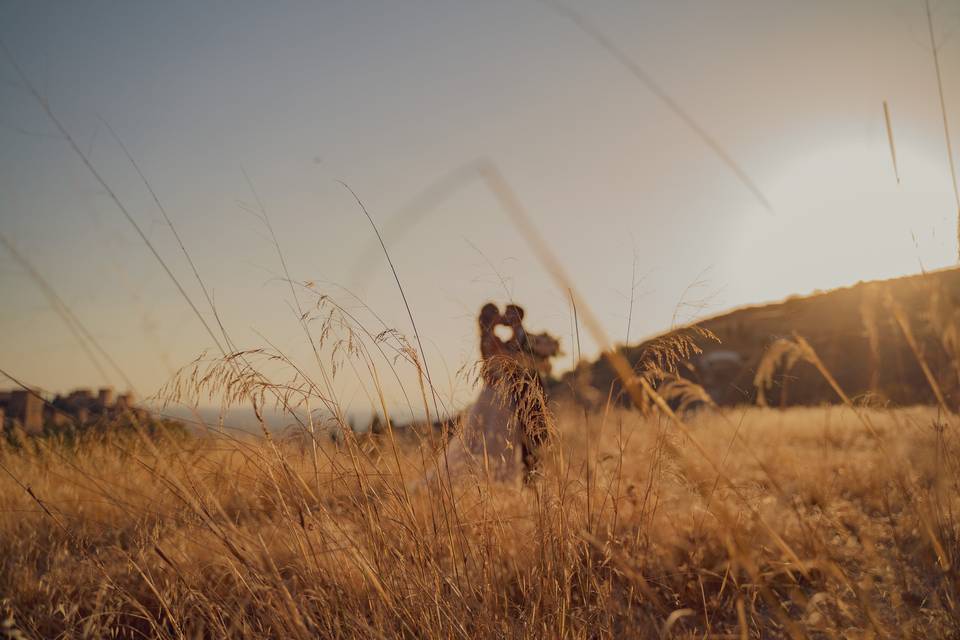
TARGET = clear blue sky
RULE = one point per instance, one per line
(390, 97)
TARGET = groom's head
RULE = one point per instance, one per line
(513, 314)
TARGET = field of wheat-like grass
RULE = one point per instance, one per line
(817, 522)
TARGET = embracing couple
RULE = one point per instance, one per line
(511, 409)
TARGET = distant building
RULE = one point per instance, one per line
(80, 395)
(124, 401)
(717, 370)
(105, 396)
(23, 409)
(30, 412)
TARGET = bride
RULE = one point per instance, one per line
(486, 444)
(487, 431)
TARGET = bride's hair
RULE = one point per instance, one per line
(489, 315)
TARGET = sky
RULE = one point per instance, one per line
(226, 104)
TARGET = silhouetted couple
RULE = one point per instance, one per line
(511, 408)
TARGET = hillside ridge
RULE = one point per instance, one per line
(852, 328)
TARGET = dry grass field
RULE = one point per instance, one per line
(662, 509)
(833, 522)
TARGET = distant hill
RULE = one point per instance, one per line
(853, 330)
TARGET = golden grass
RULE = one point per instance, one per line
(818, 535)
(832, 522)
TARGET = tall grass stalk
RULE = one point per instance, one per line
(946, 121)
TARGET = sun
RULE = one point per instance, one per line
(842, 217)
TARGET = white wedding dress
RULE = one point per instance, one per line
(485, 448)
(490, 436)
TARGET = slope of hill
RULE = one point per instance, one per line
(854, 330)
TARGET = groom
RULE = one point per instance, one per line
(528, 391)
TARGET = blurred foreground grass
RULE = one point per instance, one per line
(815, 529)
